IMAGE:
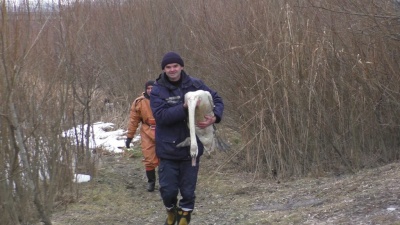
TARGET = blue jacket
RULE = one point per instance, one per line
(166, 102)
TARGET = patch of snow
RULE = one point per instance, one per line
(80, 178)
(103, 135)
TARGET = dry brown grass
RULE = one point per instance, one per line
(312, 87)
(228, 196)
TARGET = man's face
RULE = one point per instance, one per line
(173, 71)
(148, 89)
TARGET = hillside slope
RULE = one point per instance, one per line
(118, 196)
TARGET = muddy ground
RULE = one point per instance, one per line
(118, 196)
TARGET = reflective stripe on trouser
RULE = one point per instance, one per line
(175, 177)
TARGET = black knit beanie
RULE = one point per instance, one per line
(171, 57)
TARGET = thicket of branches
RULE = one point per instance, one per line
(311, 87)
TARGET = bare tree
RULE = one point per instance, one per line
(310, 87)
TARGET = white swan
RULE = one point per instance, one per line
(197, 110)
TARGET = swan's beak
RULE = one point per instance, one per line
(193, 161)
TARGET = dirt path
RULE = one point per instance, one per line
(118, 196)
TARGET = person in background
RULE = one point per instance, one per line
(141, 113)
(176, 173)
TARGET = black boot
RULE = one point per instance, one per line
(183, 217)
(151, 180)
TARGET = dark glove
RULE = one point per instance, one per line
(128, 142)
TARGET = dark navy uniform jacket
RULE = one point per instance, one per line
(166, 102)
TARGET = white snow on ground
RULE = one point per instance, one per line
(102, 135)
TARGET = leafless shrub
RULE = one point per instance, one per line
(311, 86)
